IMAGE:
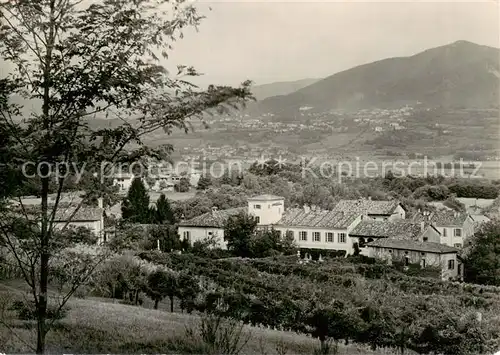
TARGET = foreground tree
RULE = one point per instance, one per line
(77, 62)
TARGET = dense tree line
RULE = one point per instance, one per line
(325, 191)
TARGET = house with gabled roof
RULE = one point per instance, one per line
(455, 227)
(208, 226)
(419, 252)
(377, 210)
(71, 215)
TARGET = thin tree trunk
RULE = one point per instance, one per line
(171, 304)
(44, 271)
(156, 304)
(136, 297)
(45, 230)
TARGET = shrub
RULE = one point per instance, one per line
(219, 335)
(26, 310)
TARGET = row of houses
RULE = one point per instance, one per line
(378, 228)
(155, 182)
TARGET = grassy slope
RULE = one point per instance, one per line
(93, 326)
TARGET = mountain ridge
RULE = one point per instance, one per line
(264, 91)
(458, 74)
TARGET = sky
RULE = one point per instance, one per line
(290, 40)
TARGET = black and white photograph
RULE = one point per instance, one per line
(242, 177)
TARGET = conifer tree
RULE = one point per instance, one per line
(135, 207)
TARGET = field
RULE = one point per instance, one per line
(93, 326)
(288, 307)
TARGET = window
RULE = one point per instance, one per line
(257, 207)
(187, 235)
(342, 238)
(407, 261)
(329, 237)
(458, 245)
(425, 239)
(423, 263)
(316, 237)
(444, 232)
(451, 264)
(458, 232)
(210, 233)
(279, 233)
(290, 235)
(303, 236)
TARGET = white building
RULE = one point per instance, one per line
(123, 181)
(455, 227)
(319, 229)
(267, 209)
(73, 215)
(208, 226)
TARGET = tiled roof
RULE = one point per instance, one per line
(364, 206)
(298, 217)
(399, 229)
(215, 219)
(65, 213)
(479, 218)
(265, 198)
(412, 245)
(83, 214)
(444, 218)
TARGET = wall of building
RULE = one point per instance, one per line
(448, 233)
(96, 227)
(399, 213)
(431, 234)
(201, 233)
(417, 257)
(323, 243)
(453, 273)
(268, 212)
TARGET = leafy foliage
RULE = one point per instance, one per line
(482, 263)
(135, 207)
(163, 212)
(333, 302)
(162, 284)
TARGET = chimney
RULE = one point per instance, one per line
(422, 226)
(100, 202)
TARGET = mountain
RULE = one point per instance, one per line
(262, 92)
(461, 74)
